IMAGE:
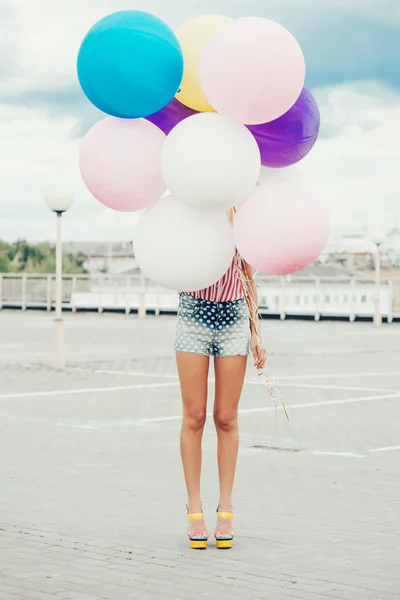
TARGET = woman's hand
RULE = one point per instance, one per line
(258, 351)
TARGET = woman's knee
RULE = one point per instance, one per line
(195, 419)
(226, 420)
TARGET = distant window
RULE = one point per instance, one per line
(315, 299)
(298, 300)
(306, 299)
(364, 299)
(345, 299)
(327, 299)
(337, 300)
(277, 300)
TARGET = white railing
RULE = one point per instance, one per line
(307, 296)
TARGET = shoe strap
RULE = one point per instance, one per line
(195, 516)
(225, 515)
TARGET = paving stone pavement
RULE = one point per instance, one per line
(92, 502)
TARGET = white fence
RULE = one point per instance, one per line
(302, 296)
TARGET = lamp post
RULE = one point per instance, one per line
(378, 237)
(58, 203)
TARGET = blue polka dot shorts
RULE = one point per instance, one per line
(212, 328)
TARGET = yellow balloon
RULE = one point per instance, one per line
(193, 36)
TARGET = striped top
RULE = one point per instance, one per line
(227, 289)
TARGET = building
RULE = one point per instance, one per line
(113, 258)
(355, 250)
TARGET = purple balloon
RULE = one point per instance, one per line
(171, 115)
(287, 140)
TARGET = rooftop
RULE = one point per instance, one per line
(99, 444)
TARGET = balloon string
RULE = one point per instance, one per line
(253, 308)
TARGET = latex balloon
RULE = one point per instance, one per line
(183, 249)
(287, 140)
(120, 163)
(167, 118)
(210, 163)
(281, 228)
(193, 36)
(130, 64)
(252, 70)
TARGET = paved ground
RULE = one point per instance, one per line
(92, 498)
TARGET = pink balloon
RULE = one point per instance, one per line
(252, 70)
(281, 228)
(120, 163)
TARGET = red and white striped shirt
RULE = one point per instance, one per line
(227, 289)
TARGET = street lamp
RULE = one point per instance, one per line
(378, 237)
(59, 203)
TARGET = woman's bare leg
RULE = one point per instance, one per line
(229, 379)
(193, 375)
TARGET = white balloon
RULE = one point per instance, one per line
(210, 163)
(181, 248)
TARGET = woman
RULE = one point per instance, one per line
(215, 322)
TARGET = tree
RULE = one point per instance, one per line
(21, 257)
(4, 259)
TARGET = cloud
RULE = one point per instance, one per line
(39, 153)
(357, 169)
(9, 42)
(373, 96)
(62, 101)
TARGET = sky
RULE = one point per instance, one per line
(352, 51)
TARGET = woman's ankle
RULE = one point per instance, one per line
(225, 505)
(194, 505)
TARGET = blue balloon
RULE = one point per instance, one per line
(130, 64)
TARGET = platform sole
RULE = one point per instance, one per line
(224, 544)
(198, 544)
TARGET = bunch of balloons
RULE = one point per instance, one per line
(197, 112)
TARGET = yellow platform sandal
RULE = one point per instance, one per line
(224, 539)
(197, 539)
